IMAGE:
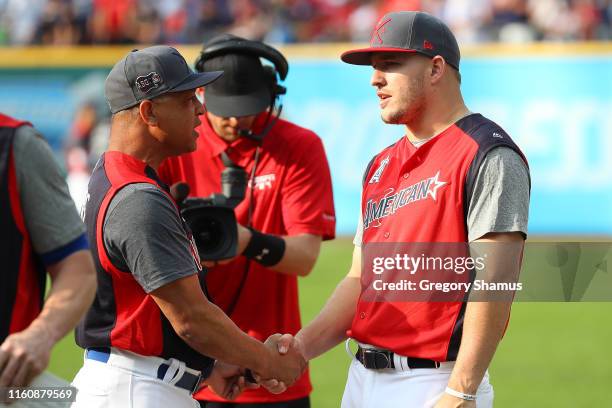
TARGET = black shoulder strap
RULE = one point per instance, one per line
(367, 171)
(6, 143)
(11, 238)
(488, 135)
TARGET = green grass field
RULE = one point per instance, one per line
(553, 354)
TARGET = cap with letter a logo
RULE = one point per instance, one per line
(409, 31)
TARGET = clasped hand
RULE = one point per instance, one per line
(285, 364)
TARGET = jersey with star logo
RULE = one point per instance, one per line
(422, 196)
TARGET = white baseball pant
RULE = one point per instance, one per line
(129, 380)
(405, 388)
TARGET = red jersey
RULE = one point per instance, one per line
(292, 195)
(420, 195)
(22, 282)
(123, 315)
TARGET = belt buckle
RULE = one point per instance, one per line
(374, 354)
(362, 354)
(387, 358)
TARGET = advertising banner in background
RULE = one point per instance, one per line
(557, 108)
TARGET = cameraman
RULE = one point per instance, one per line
(288, 207)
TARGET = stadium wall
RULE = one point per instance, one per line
(554, 99)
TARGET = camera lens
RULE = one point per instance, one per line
(210, 234)
(214, 231)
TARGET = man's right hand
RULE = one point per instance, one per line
(285, 368)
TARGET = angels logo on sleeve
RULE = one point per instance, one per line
(379, 171)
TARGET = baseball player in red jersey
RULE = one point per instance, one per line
(288, 206)
(152, 335)
(41, 233)
(455, 177)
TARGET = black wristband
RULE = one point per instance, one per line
(265, 249)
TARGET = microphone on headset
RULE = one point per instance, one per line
(245, 133)
(271, 120)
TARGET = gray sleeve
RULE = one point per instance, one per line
(50, 214)
(500, 200)
(143, 235)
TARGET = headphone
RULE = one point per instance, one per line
(230, 44)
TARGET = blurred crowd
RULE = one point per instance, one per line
(91, 22)
(54, 22)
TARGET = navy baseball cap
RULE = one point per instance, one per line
(409, 31)
(149, 73)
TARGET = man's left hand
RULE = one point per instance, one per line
(448, 401)
(227, 381)
(23, 356)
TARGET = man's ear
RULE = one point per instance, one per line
(438, 67)
(146, 113)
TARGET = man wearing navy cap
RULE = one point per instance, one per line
(151, 313)
(455, 177)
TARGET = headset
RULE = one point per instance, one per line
(230, 44)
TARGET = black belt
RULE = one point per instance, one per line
(380, 359)
(188, 381)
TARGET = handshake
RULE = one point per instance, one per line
(284, 365)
